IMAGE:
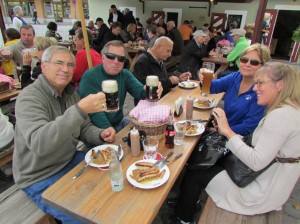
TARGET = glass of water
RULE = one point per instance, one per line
(180, 128)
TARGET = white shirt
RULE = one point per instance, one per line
(17, 23)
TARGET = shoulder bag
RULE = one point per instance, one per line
(210, 149)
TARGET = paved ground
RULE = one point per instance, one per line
(291, 215)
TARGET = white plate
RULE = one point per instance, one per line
(211, 105)
(150, 184)
(101, 147)
(200, 130)
(188, 85)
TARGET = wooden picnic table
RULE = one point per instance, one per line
(219, 61)
(89, 197)
(6, 96)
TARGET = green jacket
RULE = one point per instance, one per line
(234, 56)
(91, 84)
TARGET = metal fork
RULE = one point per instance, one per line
(172, 160)
(86, 165)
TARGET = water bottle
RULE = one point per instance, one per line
(115, 170)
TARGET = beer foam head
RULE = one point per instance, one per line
(152, 80)
(109, 86)
(206, 70)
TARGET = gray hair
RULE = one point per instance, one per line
(16, 9)
(171, 23)
(27, 27)
(50, 51)
(161, 41)
(115, 43)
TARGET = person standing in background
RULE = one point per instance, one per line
(186, 31)
(18, 20)
(175, 36)
(115, 16)
(34, 17)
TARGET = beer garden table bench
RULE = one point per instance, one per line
(16, 207)
(211, 214)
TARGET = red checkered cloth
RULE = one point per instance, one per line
(5, 78)
(150, 112)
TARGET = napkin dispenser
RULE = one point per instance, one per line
(178, 107)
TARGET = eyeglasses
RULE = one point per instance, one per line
(259, 83)
(112, 56)
(61, 64)
(253, 62)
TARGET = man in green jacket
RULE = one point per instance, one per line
(241, 43)
(113, 58)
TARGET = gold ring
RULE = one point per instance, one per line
(104, 105)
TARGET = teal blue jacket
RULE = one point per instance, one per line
(234, 56)
(91, 84)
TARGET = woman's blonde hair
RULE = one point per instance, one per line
(160, 31)
(290, 93)
(130, 27)
(42, 43)
(263, 52)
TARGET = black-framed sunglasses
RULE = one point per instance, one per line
(253, 62)
(112, 56)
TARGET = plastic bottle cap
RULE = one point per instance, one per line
(134, 131)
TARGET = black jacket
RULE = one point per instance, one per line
(120, 18)
(191, 58)
(176, 37)
(101, 33)
(28, 78)
(147, 65)
(110, 36)
(128, 18)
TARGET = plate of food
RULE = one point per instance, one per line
(204, 103)
(194, 128)
(143, 174)
(103, 160)
(188, 84)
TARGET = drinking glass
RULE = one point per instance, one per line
(207, 71)
(150, 148)
(152, 87)
(180, 129)
(110, 89)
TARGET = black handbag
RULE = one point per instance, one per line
(240, 173)
(210, 149)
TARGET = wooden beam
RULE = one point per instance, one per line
(84, 31)
(259, 21)
(2, 25)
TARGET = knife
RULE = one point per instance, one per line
(84, 167)
(163, 159)
(172, 160)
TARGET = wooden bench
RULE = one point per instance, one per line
(6, 155)
(211, 214)
(172, 62)
(16, 207)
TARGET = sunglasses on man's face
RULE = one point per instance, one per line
(112, 56)
(253, 62)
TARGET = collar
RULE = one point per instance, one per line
(151, 53)
(69, 89)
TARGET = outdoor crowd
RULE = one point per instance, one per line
(63, 104)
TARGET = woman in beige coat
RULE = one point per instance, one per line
(277, 135)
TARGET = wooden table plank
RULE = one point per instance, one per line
(90, 198)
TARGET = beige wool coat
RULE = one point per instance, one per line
(278, 134)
